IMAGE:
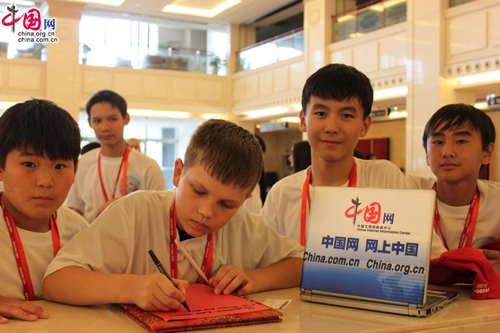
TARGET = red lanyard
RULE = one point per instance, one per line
(306, 199)
(17, 246)
(124, 182)
(470, 222)
(206, 266)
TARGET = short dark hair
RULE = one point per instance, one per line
(107, 96)
(339, 82)
(90, 146)
(301, 155)
(228, 152)
(457, 115)
(42, 126)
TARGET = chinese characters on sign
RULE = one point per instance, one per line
(372, 245)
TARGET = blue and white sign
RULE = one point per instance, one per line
(372, 243)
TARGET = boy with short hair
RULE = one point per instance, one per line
(40, 145)
(459, 140)
(109, 262)
(336, 106)
(106, 174)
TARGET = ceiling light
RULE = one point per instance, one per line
(481, 105)
(398, 114)
(390, 93)
(479, 78)
(296, 107)
(158, 113)
(115, 3)
(294, 120)
(212, 116)
(209, 13)
(4, 105)
(265, 112)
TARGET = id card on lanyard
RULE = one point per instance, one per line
(206, 266)
(124, 180)
(306, 199)
(19, 254)
(469, 226)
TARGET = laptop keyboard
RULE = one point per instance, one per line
(432, 299)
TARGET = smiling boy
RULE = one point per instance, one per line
(109, 262)
(106, 174)
(336, 106)
(40, 145)
(459, 140)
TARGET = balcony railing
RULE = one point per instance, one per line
(376, 16)
(279, 48)
(165, 58)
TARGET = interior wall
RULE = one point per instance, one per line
(278, 146)
(395, 130)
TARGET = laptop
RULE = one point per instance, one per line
(370, 249)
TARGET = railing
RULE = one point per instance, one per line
(165, 58)
(376, 16)
(273, 50)
(454, 3)
(23, 51)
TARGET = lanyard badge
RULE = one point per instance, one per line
(206, 266)
(124, 180)
(19, 254)
(306, 199)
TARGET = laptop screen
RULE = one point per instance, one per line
(371, 243)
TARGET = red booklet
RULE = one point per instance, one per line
(207, 311)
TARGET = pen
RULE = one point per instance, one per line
(164, 272)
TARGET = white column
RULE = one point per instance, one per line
(317, 33)
(63, 70)
(428, 89)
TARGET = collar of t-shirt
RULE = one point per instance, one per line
(183, 235)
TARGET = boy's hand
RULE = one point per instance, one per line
(494, 257)
(155, 292)
(229, 279)
(13, 308)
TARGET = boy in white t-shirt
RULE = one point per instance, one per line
(115, 170)
(459, 140)
(109, 262)
(336, 106)
(40, 145)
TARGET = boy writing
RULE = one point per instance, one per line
(40, 145)
(336, 104)
(109, 262)
(115, 170)
(459, 140)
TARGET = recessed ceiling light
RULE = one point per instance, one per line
(115, 3)
(209, 13)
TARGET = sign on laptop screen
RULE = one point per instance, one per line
(372, 243)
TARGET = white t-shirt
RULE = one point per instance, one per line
(254, 203)
(143, 173)
(283, 203)
(119, 240)
(38, 249)
(452, 218)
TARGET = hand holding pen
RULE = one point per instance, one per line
(165, 273)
